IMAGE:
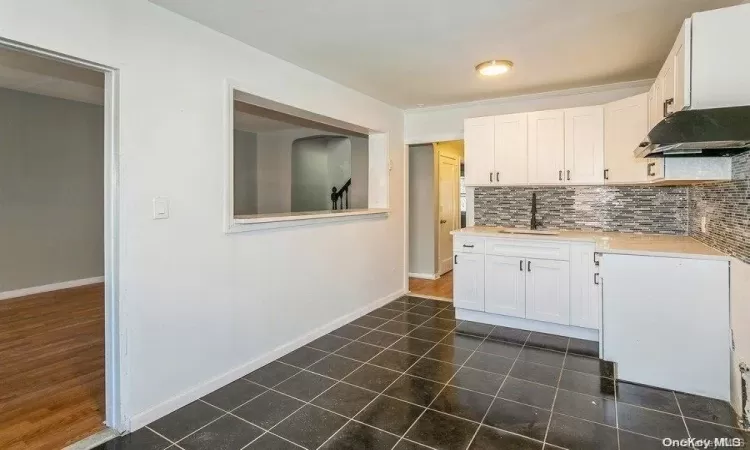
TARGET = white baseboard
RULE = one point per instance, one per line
(142, 419)
(424, 276)
(49, 288)
(527, 324)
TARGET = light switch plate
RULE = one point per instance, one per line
(161, 208)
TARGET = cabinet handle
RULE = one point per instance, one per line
(596, 278)
(648, 169)
(490, 177)
(528, 267)
(520, 265)
(606, 174)
(497, 176)
(469, 245)
(667, 102)
(455, 259)
(559, 176)
(568, 175)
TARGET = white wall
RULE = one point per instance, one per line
(422, 214)
(199, 307)
(245, 172)
(446, 123)
(51, 190)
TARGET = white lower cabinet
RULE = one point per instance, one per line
(585, 292)
(505, 285)
(548, 291)
(468, 281)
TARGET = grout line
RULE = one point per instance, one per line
(681, 414)
(162, 436)
(486, 413)
(557, 389)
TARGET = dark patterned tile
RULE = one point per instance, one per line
(650, 423)
(489, 438)
(414, 390)
(345, 399)
(394, 360)
(537, 373)
(647, 397)
(477, 380)
(272, 374)
(412, 345)
(408, 445)
(441, 431)
(446, 314)
(503, 349)
(548, 341)
(542, 356)
(271, 442)
(593, 366)
(475, 329)
(379, 338)
(706, 430)
(412, 300)
(356, 436)
(384, 313)
(359, 351)
(268, 409)
(708, 409)
(329, 343)
(425, 310)
(401, 328)
(372, 377)
(310, 426)
(412, 318)
(512, 335)
(462, 341)
(390, 414)
(595, 409)
(437, 304)
(583, 347)
(305, 385)
(433, 370)
(178, 424)
(529, 393)
(428, 334)
(489, 363)
(142, 439)
(335, 366)
(303, 357)
(234, 394)
(350, 331)
(569, 432)
(399, 306)
(517, 418)
(449, 354)
(228, 433)
(462, 403)
(441, 324)
(369, 322)
(587, 384)
(632, 441)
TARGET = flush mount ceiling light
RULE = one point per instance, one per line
(494, 68)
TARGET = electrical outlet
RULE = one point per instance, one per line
(703, 224)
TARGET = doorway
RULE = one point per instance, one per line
(58, 327)
(434, 212)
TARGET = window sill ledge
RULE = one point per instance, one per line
(243, 223)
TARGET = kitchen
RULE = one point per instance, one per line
(624, 223)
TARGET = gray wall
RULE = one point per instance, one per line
(318, 164)
(245, 172)
(51, 190)
(422, 209)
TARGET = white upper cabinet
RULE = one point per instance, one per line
(511, 135)
(479, 150)
(625, 125)
(546, 147)
(671, 89)
(584, 145)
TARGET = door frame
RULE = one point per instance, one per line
(113, 339)
(456, 210)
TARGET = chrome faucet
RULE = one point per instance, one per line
(534, 223)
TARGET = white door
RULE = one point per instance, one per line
(625, 126)
(546, 147)
(468, 281)
(511, 137)
(584, 145)
(479, 150)
(505, 285)
(548, 291)
(584, 290)
(448, 175)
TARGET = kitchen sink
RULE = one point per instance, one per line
(524, 231)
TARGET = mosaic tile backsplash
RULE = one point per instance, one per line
(726, 207)
(637, 209)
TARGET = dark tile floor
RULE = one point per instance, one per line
(411, 376)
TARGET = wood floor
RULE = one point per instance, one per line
(442, 287)
(51, 368)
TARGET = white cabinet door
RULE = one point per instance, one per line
(468, 281)
(548, 291)
(584, 145)
(652, 108)
(668, 84)
(511, 150)
(625, 126)
(681, 58)
(546, 147)
(505, 285)
(479, 148)
(584, 294)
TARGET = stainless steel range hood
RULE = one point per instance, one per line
(700, 132)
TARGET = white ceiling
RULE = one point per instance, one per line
(22, 71)
(410, 52)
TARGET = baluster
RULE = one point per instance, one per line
(333, 197)
(347, 198)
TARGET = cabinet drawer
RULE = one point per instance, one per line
(559, 251)
(468, 244)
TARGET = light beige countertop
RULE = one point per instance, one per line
(613, 242)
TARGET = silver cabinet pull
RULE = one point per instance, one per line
(596, 278)
(667, 102)
(568, 175)
(469, 245)
(648, 169)
(497, 176)
(528, 267)
(559, 176)
(455, 259)
(520, 265)
(490, 177)
(606, 174)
